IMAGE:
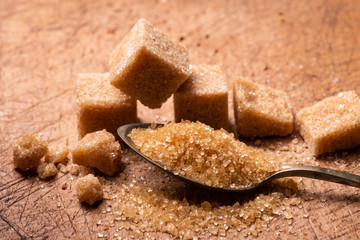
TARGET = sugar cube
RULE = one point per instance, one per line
(203, 97)
(331, 124)
(148, 65)
(102, 106)
(260, 110)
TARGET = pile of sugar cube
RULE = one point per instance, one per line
(150, 67)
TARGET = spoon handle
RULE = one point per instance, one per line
(293, 170)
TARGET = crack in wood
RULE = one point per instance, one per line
(14, 227)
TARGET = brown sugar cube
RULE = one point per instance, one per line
(331, 124)
(203, 97)
(89, 189)
(102, 106)
(260, 110)
(46, 170)
(148, 65)
(98, 150)
(57, 154)
(28, 152)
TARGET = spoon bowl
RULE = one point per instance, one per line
(286, 170)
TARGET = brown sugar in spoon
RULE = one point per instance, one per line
(286, 170)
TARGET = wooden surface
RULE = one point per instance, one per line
(311, 49)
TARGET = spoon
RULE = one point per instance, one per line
(286, 170)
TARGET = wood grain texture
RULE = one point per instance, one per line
(310, 49)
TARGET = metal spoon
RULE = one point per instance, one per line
(286, 170)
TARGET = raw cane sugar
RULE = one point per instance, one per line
(213, 157)
(78, 170)
(28, 152)
(98, 150)
(102, 106)
(46, 170)
(89, 189)
(57, 153)
(157, 210)
(203, 97)
(148, 65)
(332, 124)
(261, 111)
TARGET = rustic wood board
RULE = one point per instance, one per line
(311, 49)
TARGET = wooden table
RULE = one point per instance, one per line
(310, 49)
